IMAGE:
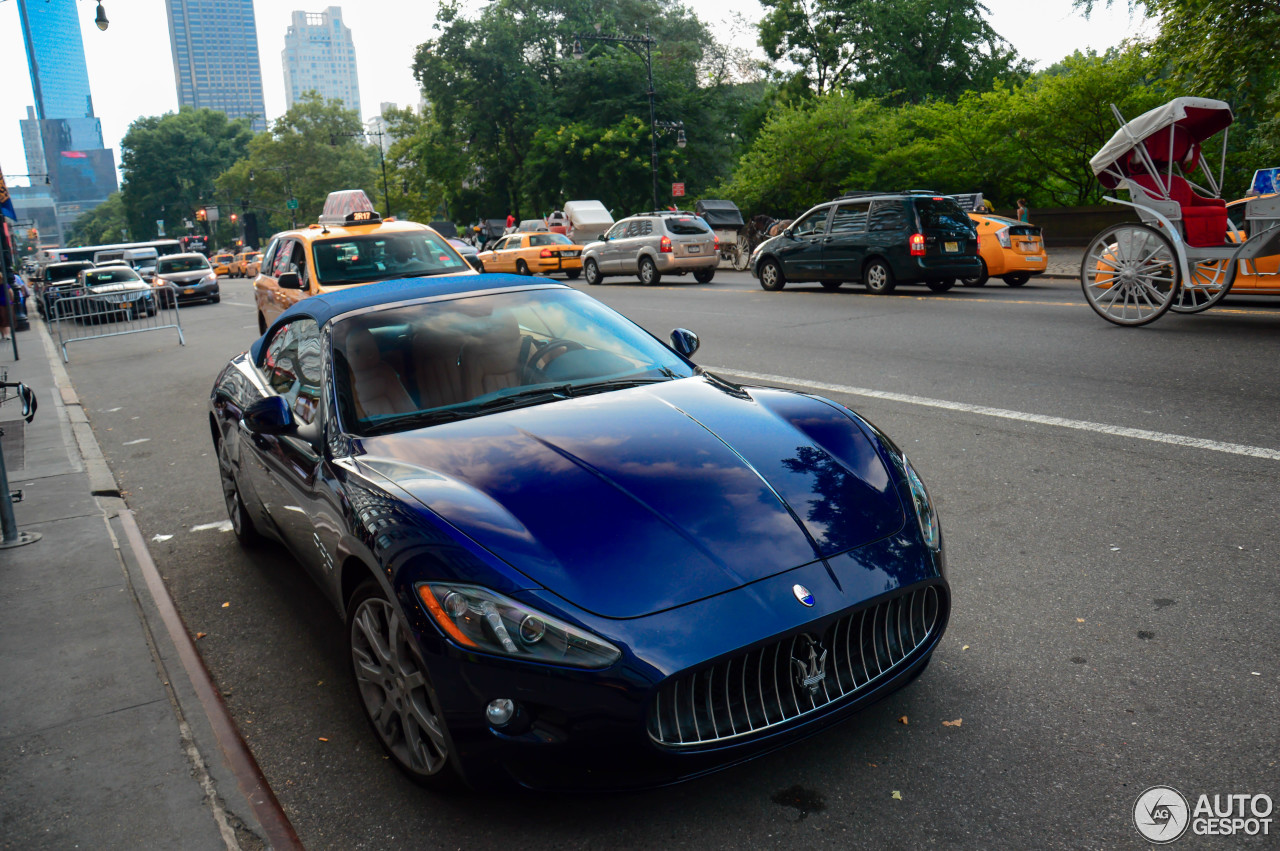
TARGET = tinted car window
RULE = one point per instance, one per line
(815, 222)
(887, 216)
(64, 271)
(617, 230)
(283, 253)
(686, 226)
(182, 264)
(942, 213)
(358, 259)
(850, 218)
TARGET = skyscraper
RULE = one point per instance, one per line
(61, 135)
(318, 54)
(215, 57)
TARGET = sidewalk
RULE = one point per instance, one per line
(111, 733)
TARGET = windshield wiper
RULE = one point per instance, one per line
(614, 384)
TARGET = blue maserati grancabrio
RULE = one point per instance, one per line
(566, 556)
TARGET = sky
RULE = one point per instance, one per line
(131, 67)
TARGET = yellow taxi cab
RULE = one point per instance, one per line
(240, 265)
(221, 264)
(1009, 249)
(350, 245)
(1249, 216)
(537, 253)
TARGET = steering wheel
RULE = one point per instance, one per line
(549, 351)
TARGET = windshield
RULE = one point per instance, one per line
(687, 226)
(64, 271)
(407, 367)
(942, 213)
(182, 264)
(111, 275)
(375, 257)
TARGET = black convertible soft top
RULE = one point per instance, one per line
(719, 214)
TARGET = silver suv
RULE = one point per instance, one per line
(650, 245)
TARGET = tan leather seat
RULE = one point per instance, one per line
(491, 362)
(437, 367)
(375, 386)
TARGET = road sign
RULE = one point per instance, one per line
(211, 212)
(677, 190)
(292, 203)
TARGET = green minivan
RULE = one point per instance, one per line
(880, 239)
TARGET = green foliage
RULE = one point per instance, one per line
(170, 161)
(103, 225)
(315, 148)
(902, 51)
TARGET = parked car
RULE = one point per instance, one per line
(543, 253)
(54, 281)
(1008, 249)
(191, 277)
(113, 292)
(651, 245)
(564, 555)
(468, 251)
(880, 239)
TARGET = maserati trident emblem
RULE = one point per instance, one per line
(811, 673)
(802, 594)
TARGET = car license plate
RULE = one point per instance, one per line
(693, 249)
(570, 253)
(1035, 259)
(951, 247)
(188, 291)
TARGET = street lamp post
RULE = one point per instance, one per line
(293, 209)
(633, 43)
(386, 198)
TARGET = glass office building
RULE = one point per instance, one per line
(320, 56)
(215, 57)
(55, 55)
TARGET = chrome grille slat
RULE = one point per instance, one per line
(889, 632)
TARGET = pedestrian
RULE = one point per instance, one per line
(1024, 214)
(511, 220)
(6, 298)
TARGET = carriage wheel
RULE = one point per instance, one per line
(1210, 282)
(1130, 274)
(742, 253)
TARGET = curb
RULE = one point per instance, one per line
(239, 760)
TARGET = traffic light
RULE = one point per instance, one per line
(234, 218)
(201, 215)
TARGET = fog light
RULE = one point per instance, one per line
(499, 711)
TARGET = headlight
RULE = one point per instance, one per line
(1003, 236)
(482, 620)
(928, 518)
(211, 278)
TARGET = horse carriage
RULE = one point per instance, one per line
(725, 219)
(1185, 253)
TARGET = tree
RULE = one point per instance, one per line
(103, 225)
(316, 147)
(904, 51)
(169, 161)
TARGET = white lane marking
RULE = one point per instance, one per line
(1022, 416)
(135, 442)
(113, 410)
(221, 526)
(237, 304)
(160, 539)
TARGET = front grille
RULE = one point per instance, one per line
(763, 688)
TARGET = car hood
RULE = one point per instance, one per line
(635, 501)
(123, 286)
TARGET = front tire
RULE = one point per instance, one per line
(704, 276)
(241, 523)
(395, 692)
(573, 274)
(742, 253)
(878, 278)
(940, 285)
(592, 272)
(771, 277)
(1130, 274)
(1016, 280)
(522, 268)
(649, 274)
(980, 280)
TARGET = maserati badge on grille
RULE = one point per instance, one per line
(811, 673)
(802, 594)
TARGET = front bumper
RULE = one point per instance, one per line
(591, 729)
(198, 291)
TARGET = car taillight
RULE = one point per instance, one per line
(917, 245)
(1002, 236)
(665, 245)
(546, 252)
(716, 244)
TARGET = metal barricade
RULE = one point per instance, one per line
(115, 313)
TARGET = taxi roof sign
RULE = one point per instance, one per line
(349, 207)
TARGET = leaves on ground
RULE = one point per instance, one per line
(897, 796)
(902, 720)
(955, 723)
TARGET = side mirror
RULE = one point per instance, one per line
(289, 281)
(269, 416)
(684, 341)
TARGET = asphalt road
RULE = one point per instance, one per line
(1115, 597)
